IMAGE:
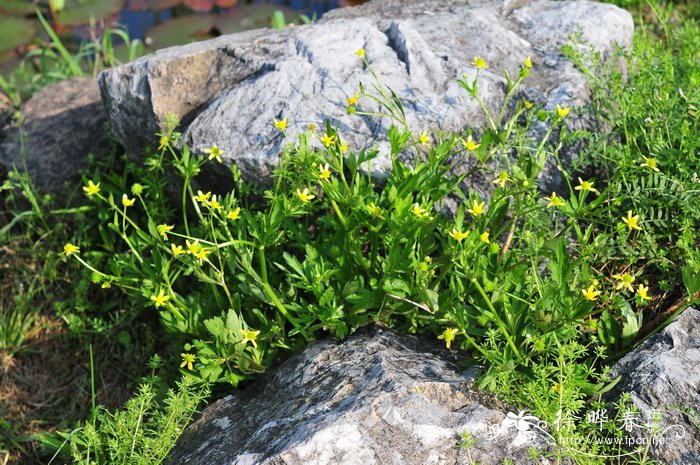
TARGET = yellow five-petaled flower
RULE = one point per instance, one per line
(214, 152)
(176, 249)
(527, 62)
(650, 163)
(126, 201)
(91, 189)
(187, 361)
(280, 124)
(554, 201)
(360, 53)
(470, 144)
(70, 249)
(234, 214)
(632, 221)
(484, 237)
(626, 281)
(502, 179)
(250, 335)
(563, 112)
(424, 139)
(586, 186)
(479, 62)
(591, 293)
(643, 292)
(458, 235)
(448, 335)
(477, 208)
(327, 139)
(419, 211)
(214, 204)
(160, 299)
(352, 100)
(324, 172)
(304, 195)
(164, 229)
(202, 197)
(196, 250)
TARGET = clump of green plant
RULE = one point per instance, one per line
(350, 252)
(648, 160)
(142, 432)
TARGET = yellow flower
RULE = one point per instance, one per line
(70, 249)
(304, 195)
(424, 139)
(563, 112)
(311, 127)
(424, 266)
(214, 203)
(214, 152)
(375, 210)
(106, 285)
(419, 211)
(528, 105)
(324, 173)
(626, 281)
(554, 201)
(187, 360)
(327, 140)
(527, 62)
(193, 248)
(201, 197)
(360, 53)
(457, 235)
(91, 189)
(352, 100)
(477, 208)
(163, 230)
(448, 335)
(163, 142)
(234, 214)
(470, 144)
(591, 293)
(484, 237)
(176, 249)
(632, 222)
(502, 179)
(249, 335)
(650, 163)
(126, 201)
(160, 299)
(643, 292)
(479, 62)
(280, 124)
(343, 147)
(586, 186)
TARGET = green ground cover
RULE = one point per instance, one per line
(544, 289)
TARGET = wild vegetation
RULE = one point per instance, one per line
(544, 289)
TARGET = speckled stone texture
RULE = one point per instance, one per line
(60, 127)
(378, 397)
(663, 375)
(228, 90)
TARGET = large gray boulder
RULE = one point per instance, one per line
(228, 90)
(61, 126)
(662, 376)
(379, 397)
